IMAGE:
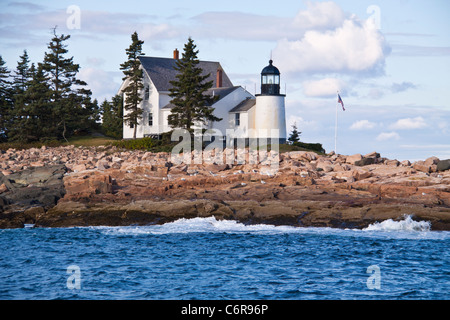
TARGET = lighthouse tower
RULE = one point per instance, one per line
(270, 118)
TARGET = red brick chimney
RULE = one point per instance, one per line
(176, 54)
(219, 78)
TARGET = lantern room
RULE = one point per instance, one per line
(270, 80)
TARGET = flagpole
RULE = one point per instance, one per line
(335, 128)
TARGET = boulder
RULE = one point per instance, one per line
(394, 163)
(373, 154)
(431, 160)
(421, 166)
(352, 159)
(95, 183)
(79, 167)
(365, 162)
(102, 165)
(360, 175)
(35, 186)
(216, 167)
(405, 163)
(302, 155)
(443, 165)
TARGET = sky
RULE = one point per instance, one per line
(389, 60)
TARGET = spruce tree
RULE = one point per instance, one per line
(192, 105)
(117, 120)
(106, 112)
(295, 134)
(22, 74)
(31, 121)
(112, 117)
(19, 113)
(134, 75)
(69, 98)
(6, 103)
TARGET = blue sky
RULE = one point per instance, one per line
(390, 60)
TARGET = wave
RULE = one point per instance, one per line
(209, 224)
(390, 229)
(407, 224)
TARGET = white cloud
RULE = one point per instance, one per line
(384, 136)
(352, 47)
(319, 15)
(248, 26)
(409, 123)
(323, 88)
(239, 25)
(362, 125)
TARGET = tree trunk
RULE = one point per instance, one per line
(64, 131)
(135, 127)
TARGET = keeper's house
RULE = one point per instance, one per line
(250, 116)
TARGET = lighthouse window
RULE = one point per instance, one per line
(237, 119)
(264, 79)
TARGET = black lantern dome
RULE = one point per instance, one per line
(270, 80)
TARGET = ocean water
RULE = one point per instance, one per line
(204, 258)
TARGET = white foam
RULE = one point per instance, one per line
(408, 224)
(211, 224)
(404, 229)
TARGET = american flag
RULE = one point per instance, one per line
(341, 102)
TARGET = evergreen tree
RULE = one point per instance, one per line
(295, 134)
(112, 118)
(106, 111)
(69, 98)
(5, 100)
(32, 119)
(19, 113)
(188, 92)
(89, 117)
(22, 74)
(133, 73)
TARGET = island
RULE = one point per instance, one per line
(70, 186)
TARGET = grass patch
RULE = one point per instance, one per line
(147, 144)
(89, 141)
(310, 147)
(77, 141)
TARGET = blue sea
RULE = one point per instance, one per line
(204, 258)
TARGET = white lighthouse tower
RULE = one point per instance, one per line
(270, 118)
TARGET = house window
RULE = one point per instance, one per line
(150, 119)
(237, 119)
(147, 93)
(131, 125)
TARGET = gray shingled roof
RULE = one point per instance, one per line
(245, 105)
(161, 71)
(221, 92)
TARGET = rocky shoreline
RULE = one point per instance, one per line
(105, 186)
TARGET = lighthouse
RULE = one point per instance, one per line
(270, 117)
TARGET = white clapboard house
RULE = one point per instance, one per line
(248, 115)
